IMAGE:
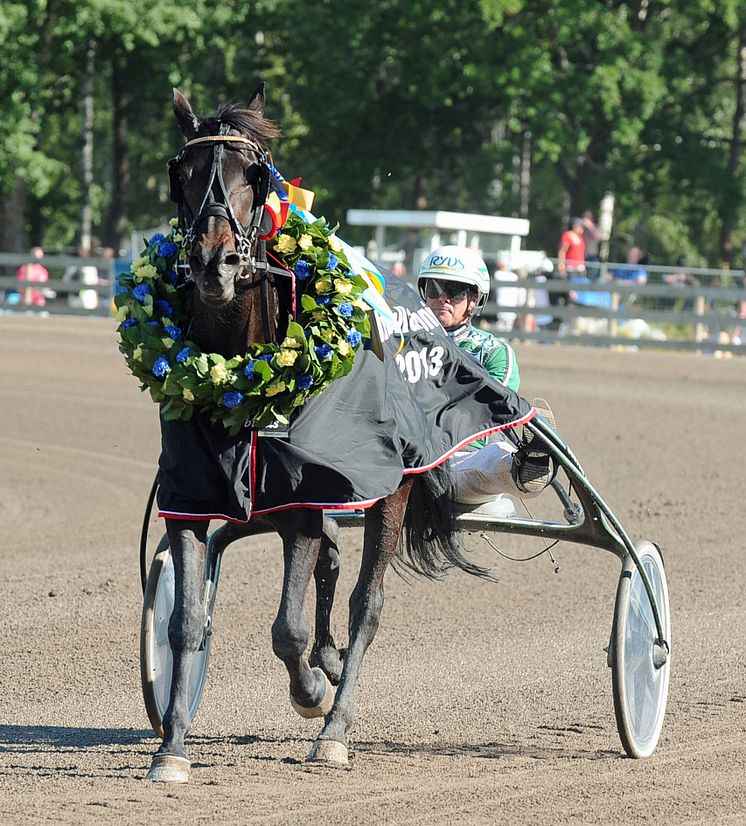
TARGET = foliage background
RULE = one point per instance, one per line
(515, 107)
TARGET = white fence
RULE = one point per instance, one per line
(705, 312)
(709, 316)
(66, 291)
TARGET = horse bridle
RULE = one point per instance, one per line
(245, 238)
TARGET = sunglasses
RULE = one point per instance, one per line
(454, 290)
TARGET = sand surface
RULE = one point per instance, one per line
(478, 702)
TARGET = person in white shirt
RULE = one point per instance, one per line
(507, 294)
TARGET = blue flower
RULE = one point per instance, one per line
(161, 367)
(346, 309)
(323, 351)
(323, 300)
(354, 337)
(128, 322)
(267, 356)
(333, 261)
(302, 270)
(183, 355)
(171, 277)
(305, 381)
(141, 291)
(156, 239)
(167, 248)
(231, 399)
(248, 371)
(152, 323)
(165, 307)
(174, 332)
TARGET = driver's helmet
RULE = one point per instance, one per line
(460, 264)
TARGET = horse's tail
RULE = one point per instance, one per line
(429, 542)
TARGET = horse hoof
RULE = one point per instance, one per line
(167, 768)
(320, 710)
(328, 751)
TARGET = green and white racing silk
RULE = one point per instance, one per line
(494, 354)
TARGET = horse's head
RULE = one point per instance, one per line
(220, 181)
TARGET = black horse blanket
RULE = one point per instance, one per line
(352, 444)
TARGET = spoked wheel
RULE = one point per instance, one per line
(156, 659)
(640, 663)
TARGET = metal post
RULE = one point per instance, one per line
(700, 330)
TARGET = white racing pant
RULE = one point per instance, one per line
(484, 475)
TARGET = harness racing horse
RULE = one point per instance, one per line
(219, 181)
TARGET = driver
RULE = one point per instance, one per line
(455, 283)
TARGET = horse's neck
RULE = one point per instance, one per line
(232, 328)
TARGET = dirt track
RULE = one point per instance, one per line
(478, 702)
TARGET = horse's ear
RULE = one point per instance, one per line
(187, 120)
(256, 104)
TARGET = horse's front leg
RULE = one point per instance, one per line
(383, 525)
(325, 653)
(187, 542)
(311, 693)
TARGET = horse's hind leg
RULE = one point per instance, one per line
(383, 524)
(324, 653)
(310, 691)
(187, 540)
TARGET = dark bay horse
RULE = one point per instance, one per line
(216, 181)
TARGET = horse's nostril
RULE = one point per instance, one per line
(233, 259)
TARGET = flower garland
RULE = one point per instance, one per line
(268, 382)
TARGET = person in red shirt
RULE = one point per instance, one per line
(570, 262)
(34, 271)
(571, 253)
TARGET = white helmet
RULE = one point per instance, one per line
(453, 263)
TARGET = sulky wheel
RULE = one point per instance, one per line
(156, 660)
(640, 663)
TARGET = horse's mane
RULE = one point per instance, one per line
(245, 121)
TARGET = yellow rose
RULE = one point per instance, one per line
(327, 335)
(137, 353)
(177, 239)
(344, 348)
(187, 394)
(285, 243)
(342, 286)
(174, 222)
(333, 243)
(274, 389)
(218, 373)
(361, 303)
(121, 314)
(323, 285)
(147, 271)
(305, 242)
(286, 358)
(137, 263)
(291, 342)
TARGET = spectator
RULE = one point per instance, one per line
(634, 273)
(571, 253)
(398, 269)
(680, 278)
(507, 294)
(37, 272)
(593, 238)
(539, 299)
(570, 264)
(82, 274)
